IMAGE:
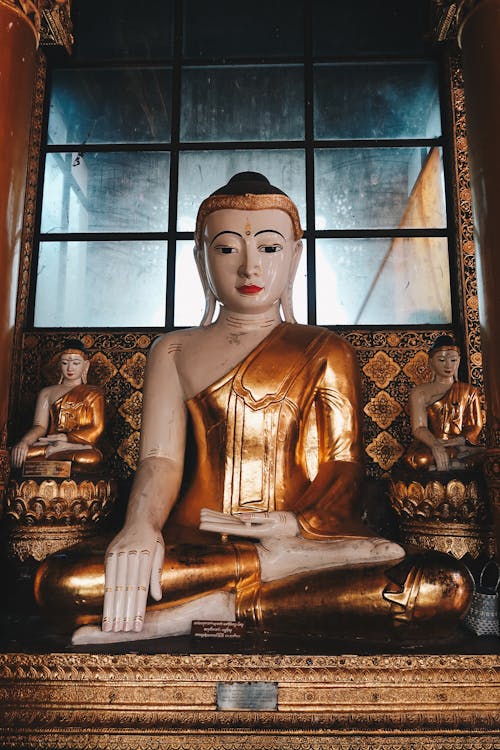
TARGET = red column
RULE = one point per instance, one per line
(480, 35)
(17, 69)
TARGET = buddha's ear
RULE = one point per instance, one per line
(297, 253)
(286, 299)
(209, 295)
(85, 370)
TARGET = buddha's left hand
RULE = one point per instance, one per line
(253, 525)
(59, 437)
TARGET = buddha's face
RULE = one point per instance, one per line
(250, 257)
(73, 368)
(445, 363)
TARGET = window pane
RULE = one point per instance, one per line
(131, 105)
(377, 101)
(118, 29)
(189, 297)
(101, 284)
(398, 281)
(384, 188)
(202, 172)
(225, 29)
(101, 192)
(241, 103)
(365, 27)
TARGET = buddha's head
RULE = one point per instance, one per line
(247, 247)
(444, 358)
(74, 363)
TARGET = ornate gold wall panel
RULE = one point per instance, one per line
(349, 702)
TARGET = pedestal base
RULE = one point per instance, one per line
(137, 702)
(46, 515)
(444, 511)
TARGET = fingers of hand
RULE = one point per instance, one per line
(143, 578)
(109, 591)
(126, 589)
(120, 583)
(132, 582)
(157, 569)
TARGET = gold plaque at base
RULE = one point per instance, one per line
(47, 469)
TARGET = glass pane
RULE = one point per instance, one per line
(399, 281)
(101, 284)
(240, 104)
(102, 192)
(225, 29)
(398, 100)
(189, 303)
(379, 188)
(189, 298)
(365, 27)
(300, 288)
(202, 172)
(118, 29)
(129, 105)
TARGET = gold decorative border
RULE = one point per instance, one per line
(466, 258)
(141, 701)
(28, 230)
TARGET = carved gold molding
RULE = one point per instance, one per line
(27, 235)
(140, 701)
(448, 17)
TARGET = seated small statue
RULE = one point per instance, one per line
(69, 416)
(245, 504)
(445, 415)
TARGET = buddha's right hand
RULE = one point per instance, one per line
(133, 565)
(19, 453)
(441, 458)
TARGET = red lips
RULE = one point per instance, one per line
(250, 289)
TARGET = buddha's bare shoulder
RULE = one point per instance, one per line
(175, 342)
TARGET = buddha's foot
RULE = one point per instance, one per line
(164, 623)
(94, 634)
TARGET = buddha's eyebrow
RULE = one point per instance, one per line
(275, 231)
(224, 231)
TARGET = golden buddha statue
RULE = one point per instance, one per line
(245, 502)
(445, 415)
(69, 416)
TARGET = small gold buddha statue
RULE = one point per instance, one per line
(445, 415)
(245, 504)
(69, 416)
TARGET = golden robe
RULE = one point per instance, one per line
(79, 414)
(262, 431)
(457, 413)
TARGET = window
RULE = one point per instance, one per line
(339, 107)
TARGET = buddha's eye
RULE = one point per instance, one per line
(226, 250)
(270, 248)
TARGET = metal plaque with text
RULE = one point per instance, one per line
(47, 469)
(247, 696)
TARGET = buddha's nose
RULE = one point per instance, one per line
(250, 265)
